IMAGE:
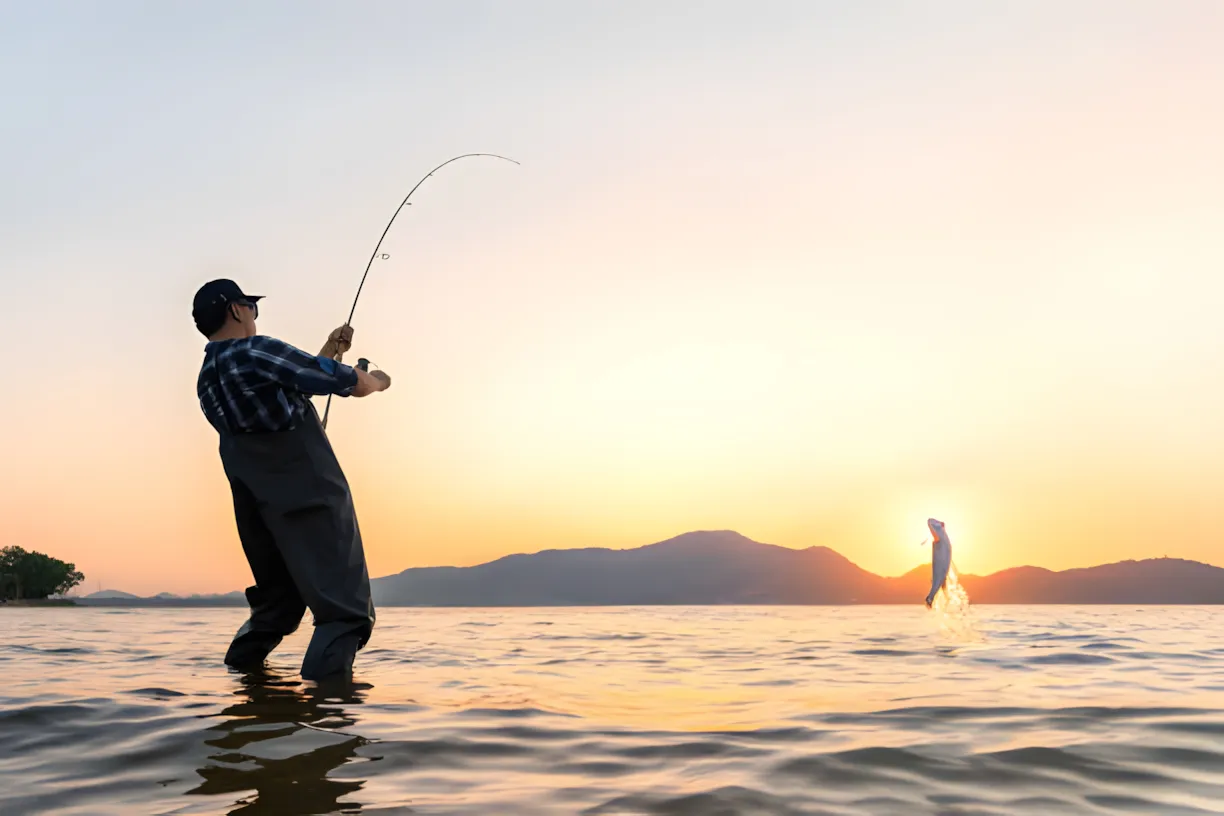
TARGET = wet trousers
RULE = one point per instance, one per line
(299, 532)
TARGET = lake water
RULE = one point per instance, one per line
(668, 711)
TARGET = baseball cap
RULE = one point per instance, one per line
(214, 297)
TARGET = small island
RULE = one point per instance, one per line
(35, 579)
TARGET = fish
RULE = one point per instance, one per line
(941, 558)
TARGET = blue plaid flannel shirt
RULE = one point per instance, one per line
(261, 384)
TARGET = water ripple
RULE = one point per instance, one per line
(676, 712)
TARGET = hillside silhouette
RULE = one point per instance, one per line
(723, 567)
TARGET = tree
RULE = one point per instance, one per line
(38, 575)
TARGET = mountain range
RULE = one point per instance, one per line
(114, 597)
(724, 567)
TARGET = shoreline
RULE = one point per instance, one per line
(189, 604)
(29, 604)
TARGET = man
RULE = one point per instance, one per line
(291, 501)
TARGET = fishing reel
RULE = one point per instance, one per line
(365, 364)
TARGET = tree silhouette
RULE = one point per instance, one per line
(37, 575)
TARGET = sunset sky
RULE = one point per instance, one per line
(811, 271)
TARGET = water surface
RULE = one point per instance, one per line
(667, 711)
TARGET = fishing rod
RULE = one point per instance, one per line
(378, 246)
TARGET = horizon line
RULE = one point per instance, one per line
(707, 532)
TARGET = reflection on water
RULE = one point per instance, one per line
(260, 747)
(607, 712)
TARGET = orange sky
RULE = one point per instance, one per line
(814, 278)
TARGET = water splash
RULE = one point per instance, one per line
(952, 609)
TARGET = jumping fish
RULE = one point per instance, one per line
(941, 558)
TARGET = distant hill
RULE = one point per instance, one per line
(113, 597)
(696, 568)
(1151, 581)
(108, 595)
(724, 567)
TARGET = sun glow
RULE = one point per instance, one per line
(912, 526)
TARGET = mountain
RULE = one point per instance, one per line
(724, 567)
(696, 568)
(113, 597)
(1151, 581)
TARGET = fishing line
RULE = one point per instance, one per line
(385, 256)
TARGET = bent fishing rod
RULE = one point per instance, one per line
(363, 363)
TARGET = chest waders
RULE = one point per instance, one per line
(299, 531)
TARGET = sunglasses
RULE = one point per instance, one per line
(254, 307)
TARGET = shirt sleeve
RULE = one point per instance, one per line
(300, 371)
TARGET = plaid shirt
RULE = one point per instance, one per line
(261, 384)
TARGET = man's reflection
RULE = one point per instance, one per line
(279, 742)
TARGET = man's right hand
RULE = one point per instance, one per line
(369, 382)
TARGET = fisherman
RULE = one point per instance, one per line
(292, 504)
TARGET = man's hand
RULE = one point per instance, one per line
(370, 382)
(338, 342)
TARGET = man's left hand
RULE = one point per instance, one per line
(338, 342)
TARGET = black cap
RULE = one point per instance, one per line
(213, 298)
